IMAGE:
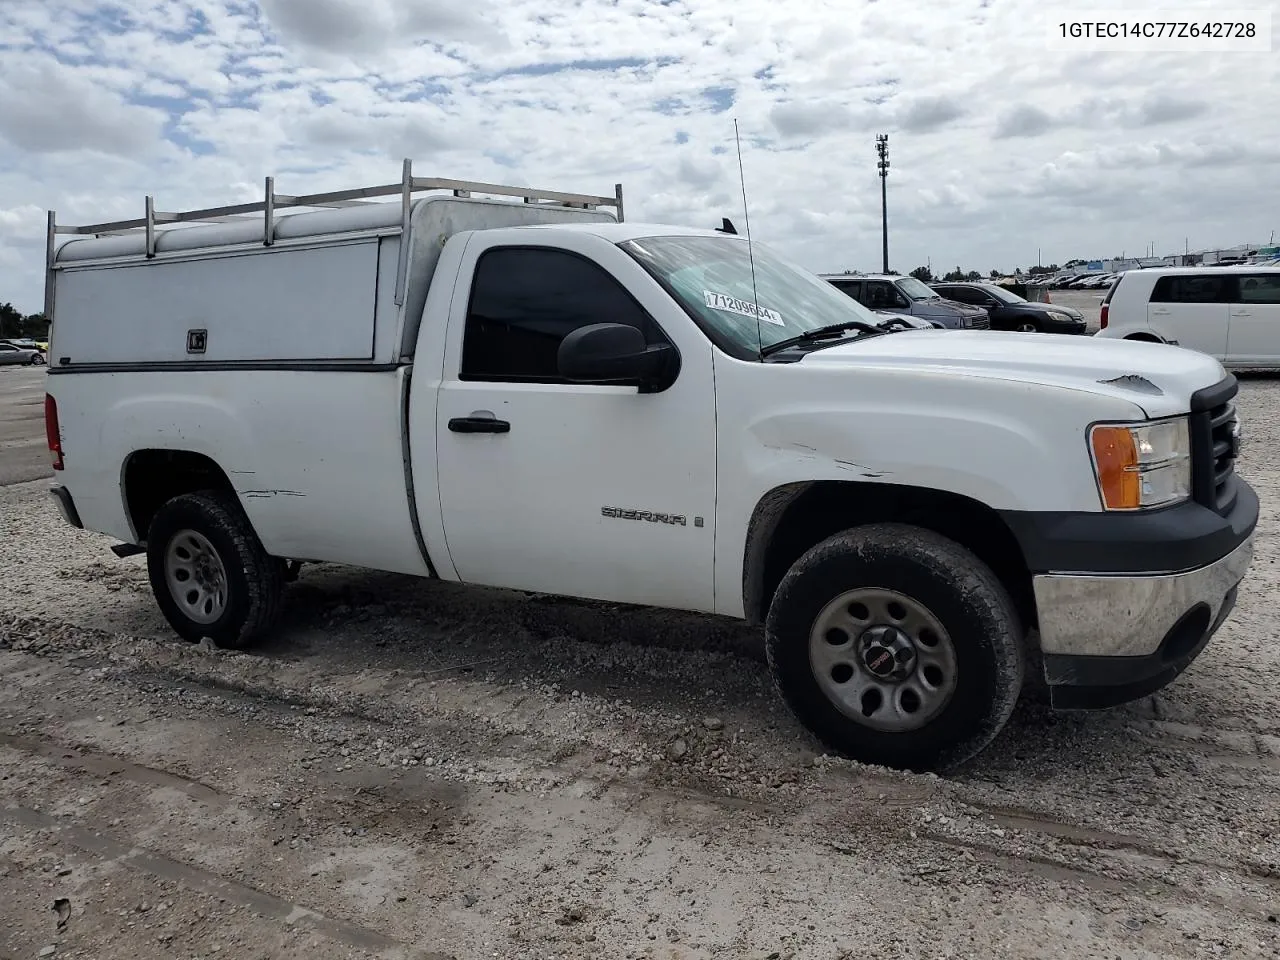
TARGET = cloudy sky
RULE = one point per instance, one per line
(999, 144)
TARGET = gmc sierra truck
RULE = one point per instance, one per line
(519, 388)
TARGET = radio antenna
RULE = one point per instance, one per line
(746, 216)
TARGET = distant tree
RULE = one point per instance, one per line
(955, 275)
(923, 274)
(996, 274)
(973, 275)
(10, 321)
(36, 326)
(1017, 271)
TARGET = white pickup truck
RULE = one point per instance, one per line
(532, 393)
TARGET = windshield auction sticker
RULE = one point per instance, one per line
(745, 308)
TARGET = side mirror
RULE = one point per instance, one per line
(615, 353)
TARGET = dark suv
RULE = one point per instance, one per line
(1008, 311)
(895, 294)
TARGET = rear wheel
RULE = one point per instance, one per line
(896, 646)
(209, 572)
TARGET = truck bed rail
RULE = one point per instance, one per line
(405, 189)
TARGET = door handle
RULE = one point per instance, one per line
(1160, 313)
(479, 425)
(1241, 313)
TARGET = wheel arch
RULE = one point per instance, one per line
(152, 476)
(790, 519)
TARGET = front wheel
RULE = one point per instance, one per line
(209, 572)
(1027, 326)
(896, 646)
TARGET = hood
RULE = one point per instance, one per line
(943, 307)
(1157, 377)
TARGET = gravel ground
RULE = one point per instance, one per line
(413, 769)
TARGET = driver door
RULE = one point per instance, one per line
(588, 490)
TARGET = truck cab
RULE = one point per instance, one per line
(540, 395)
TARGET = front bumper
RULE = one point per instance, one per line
(1065, 326)
(1127, 602)
(1109, 640)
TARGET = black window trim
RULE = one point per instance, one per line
(553, 381)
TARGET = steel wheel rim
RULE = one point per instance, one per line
(196, 577)
(853, 634)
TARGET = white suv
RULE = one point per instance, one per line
(1230, 313)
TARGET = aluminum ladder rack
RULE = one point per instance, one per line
(408, 185)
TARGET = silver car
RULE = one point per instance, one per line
(24, 355)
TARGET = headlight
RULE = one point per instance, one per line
(1061, 317)
(1146, 465)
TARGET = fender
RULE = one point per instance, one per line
(993, 445)
(198, 424)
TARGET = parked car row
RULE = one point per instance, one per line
(957, 306)
(1230, 313)
(890, 293)
(1081, 281)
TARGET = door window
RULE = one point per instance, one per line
(960, 294)
(1263, 288)
(525, 300)
(880, 295)
(1208, 288)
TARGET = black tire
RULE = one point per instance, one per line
(1027, 325)
(963, 596)
(254, 581)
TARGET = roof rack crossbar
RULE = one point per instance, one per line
(273, 201)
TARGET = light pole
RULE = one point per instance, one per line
(882, 150)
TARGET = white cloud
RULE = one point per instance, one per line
(45, 107)
(999, 144)
(370, 27)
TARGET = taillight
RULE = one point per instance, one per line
(51, 430)
(1102, 317)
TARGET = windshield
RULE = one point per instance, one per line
(712, 279)
(1003, 295)
(916, 290)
